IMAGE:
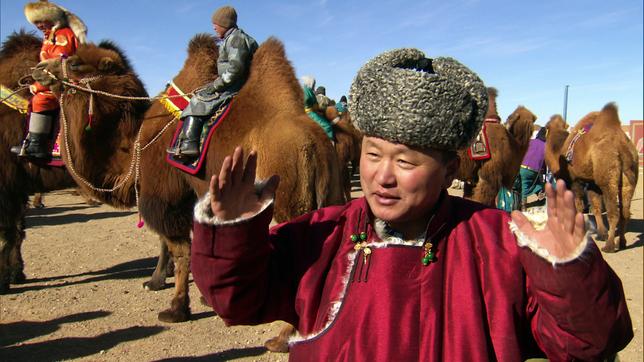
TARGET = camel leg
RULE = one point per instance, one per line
(180, 306)
(595, 200)
(16, 264)
(629, 182)
(280, 343)
(486, 191)
(157, 281)
(578, 189)
(468, 190)
(37, 202)
(6, 241)
(610, 201)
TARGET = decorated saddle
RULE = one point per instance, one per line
(175, 102)
(480, 149)
(21, 104)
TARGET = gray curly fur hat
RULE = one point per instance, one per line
(404, 97)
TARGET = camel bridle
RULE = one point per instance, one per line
(83, 85)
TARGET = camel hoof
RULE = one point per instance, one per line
(174, 316)
(154, 285)
(203, 301)
(18, 278)
(609, 249)
(276, 344)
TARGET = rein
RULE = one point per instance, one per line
(134, 168)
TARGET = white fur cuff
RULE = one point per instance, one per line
(538, 221)
(203, 213)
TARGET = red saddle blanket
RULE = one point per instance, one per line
(480, 149)
(177, 104)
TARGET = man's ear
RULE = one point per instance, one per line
(451, 170)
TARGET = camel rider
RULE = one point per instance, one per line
(311, 106)
(323, 100)
(63, 32)
(236, 49)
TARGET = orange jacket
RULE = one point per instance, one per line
(62, 42)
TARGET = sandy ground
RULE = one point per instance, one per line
(84, 298)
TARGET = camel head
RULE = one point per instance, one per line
(520, 124)
(89, 61)
(555, 123)
(200, 66)
(556, 135)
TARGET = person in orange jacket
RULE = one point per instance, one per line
(63, 33)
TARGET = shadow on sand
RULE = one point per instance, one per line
(129, 270)
(75, 347)
(227, 355)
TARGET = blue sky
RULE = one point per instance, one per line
(528, 50)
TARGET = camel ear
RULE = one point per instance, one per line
(106, 64)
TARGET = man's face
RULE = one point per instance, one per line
(402, 184)
(43, 25)
(219, 30)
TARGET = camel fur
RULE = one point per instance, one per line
(508, 144)
(266, 116)
(348, 145)
(604, 160)
(18, 179)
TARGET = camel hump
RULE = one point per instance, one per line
(609, 116)
(272, 78)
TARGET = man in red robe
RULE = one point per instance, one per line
(408, 272)
(62, 33)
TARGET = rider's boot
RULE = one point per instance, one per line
(37, 143)
(189, 139)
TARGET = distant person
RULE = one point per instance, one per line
(311, 106)
(323, 100)
(531, 178)
(408, 272)
(62, 32)
(236, 49)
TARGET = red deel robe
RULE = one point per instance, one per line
(484, 298)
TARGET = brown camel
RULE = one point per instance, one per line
(266, 116)
(348, 145)
(604, 160)
(508, 144)
(18, 54)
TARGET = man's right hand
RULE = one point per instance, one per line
(232, 192)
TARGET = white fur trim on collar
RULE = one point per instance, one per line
(203, 213)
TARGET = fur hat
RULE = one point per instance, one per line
(60, 17)
(225, 16)
(404, 97)
(308, 81)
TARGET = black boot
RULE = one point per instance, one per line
(37, 143)
(189, 138)
(36, 146)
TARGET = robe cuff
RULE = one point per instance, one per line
(538, 221)
(203, 212)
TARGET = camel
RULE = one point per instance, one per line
(266, 116)
(508, 144)
(348, 145)
(18, 54)
(603, 159)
